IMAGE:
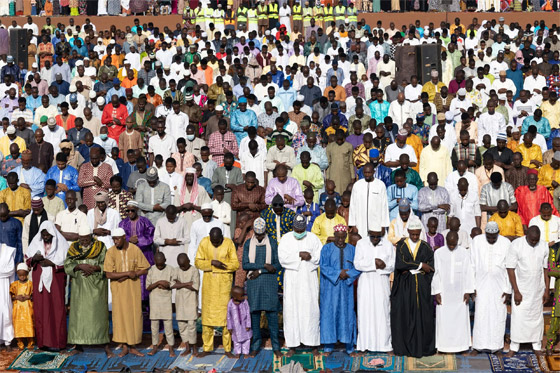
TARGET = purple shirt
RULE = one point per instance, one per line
(355, 140)
(238, 320)
(290, 187)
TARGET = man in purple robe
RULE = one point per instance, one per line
(287, 187)
(139, 231)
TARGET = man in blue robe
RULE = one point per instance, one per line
(66, 177)
(30, 177)
(10, 232)
(338, 319)
(382, 172)
(241, 119)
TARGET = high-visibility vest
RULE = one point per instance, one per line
(296, 13)
(340, 13)
(209, 14)
(200, 15)
(273, 11)
(329, 15)
(252, 15)
(262, 12)
(318, 13)
(231, 19)
(352, 15)
(242, 14)
(307, 14)
(220, 19)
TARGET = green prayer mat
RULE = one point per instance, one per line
(441, 363)
(29, 360)
(309, 362)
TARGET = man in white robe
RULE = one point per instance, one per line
(375, 258)
(452, 285)
(549, 226)
(369, 206)
(488, 259)
(171, 235)
(299, 253)
(103, 219)
(7, 270)
(527, 266)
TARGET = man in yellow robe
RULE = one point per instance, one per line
(217, 258)
(124, 264)
(323, 226)
(549, 174)
(509, 222)
(16, 197)
(433, 86)
(309, 175)
(532, 153)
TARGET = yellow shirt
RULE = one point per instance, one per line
(20, 199)
(5, 145)
(546, 175)
(529, 154)
(510, 225)
(431, 89)
(552, 113)
(323, 227)
(417, 145)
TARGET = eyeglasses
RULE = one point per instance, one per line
(375, 236)
(130, 210)
(277, 205)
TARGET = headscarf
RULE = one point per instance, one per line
(56, 254)
(75, 159)
(194, 191)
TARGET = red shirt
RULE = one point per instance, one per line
(109, 114)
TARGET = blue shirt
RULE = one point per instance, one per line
(517, 79)
(69, 177)
(241, 119)
(207, 184)
(379, 110)
(33, 177)
(543, 126)
(10, 234)
(394, 193)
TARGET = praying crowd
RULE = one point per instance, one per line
(308, 178)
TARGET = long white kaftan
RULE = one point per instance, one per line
(527, 321)
(491, 281)
(301, 289)
(369, 206)
(374, 291)
(7, 270)
(452, 279)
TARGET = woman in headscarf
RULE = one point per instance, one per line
(75, 159)
(46, 255)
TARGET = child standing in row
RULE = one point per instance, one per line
(187, 283)
(239, 321)
(21, 292)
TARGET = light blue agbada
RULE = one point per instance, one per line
(241, 119)
(338, 319)
(33, 177)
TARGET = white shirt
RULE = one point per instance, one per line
(54, 137)
(256, 163)
(165, 146)
(465, 208)
(400, 113)
(176, 124)
(393, 152)
(107, 144)
(491, 124)
(412, 93)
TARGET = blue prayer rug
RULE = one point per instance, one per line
(216, 361)
(523, 361)
(260, 363)
(338, 361)
(29, 360)
(94, 359)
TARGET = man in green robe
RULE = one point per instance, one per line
(89, 310)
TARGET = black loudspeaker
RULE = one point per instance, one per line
(18, 46)
(429, 58)
(405, 59)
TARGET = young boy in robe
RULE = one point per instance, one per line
(329, 193)
(344, 208)
(187, 283)
(239, 321)
(222, 209)
(21, 292)
(435, 239)
(158, 283)
(309, 209)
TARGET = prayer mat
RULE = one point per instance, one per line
(309, 362)
(260, 363)
(549, 363)
(94, 359)
(442, 363)
(473, 364)
(29, 360)
(524, 361)
(378, 363)
(216, 360)
(338, 361)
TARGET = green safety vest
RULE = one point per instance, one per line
(262, 12)
(329, 14)
(252, 14)
(200, 15)
(242, 15)
(307, 14)
(273, 11)
(296, 13)
(340, 13)
(352, 15)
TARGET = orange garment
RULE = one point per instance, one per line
(127, 83)
(22, 311)
(48, 8)
(66, 124)
(416, 143)
(114, 60)
(208, 75)
(339, 92)
(512, 145)
(155, 100)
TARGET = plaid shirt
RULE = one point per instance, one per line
(467, 153)
(553, 79)
(217, 142)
